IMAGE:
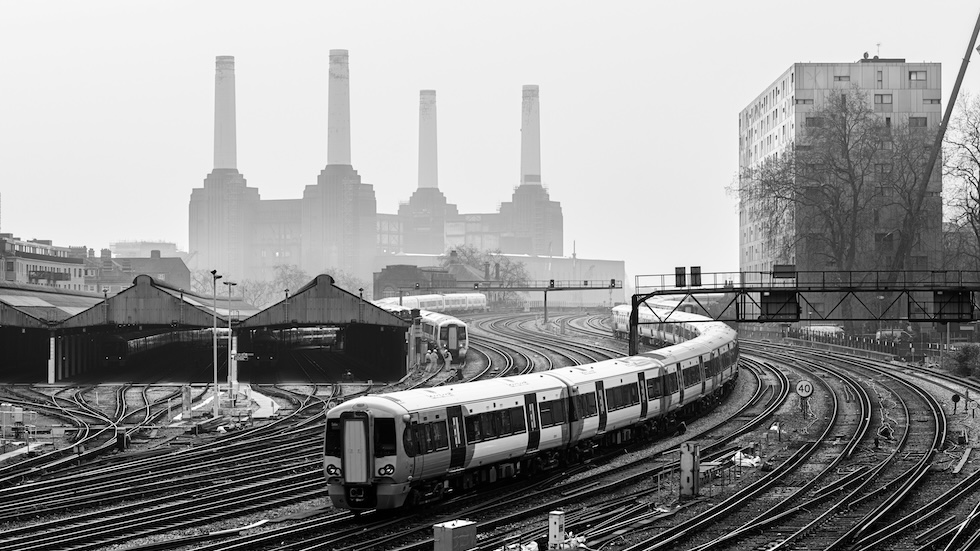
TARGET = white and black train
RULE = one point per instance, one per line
(445, 304)
(440, 330)
(391, 450)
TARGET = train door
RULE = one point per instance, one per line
(457, 441)
(600, 396)
(642, 380)
(533, 425)
(356, 453)
(704, 375)
(413, 446)
(680, 383)
(719, 369)
(451, 338)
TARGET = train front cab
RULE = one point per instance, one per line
(361, 461)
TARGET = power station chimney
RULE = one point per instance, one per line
(530, 137)
(338, 110)
(428, 151)
(225, 148)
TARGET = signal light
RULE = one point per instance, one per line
(551, 283)
(416, 286)
(476, 285)
(612, 283)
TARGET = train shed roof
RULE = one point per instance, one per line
(153, 303)
(321, 302)
(150, 302)
(36, 306)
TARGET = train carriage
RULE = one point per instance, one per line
(409, 447)
(427, 440)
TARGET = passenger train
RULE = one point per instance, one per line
(445, 304)
(440, 330)
(651, 330)
(410, 447)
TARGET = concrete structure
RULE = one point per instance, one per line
(425, 216)
(221, 213)
(531, 223)
(339, 213)
(775, 121)
(335, 225)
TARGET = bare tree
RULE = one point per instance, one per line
(818, 198)
(851, 195)
(504, 272)
(349, 282)
(961, 167)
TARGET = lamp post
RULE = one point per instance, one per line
(230, 284)
(286, 320)
(360, 305)
(214, 335)
(105, 304)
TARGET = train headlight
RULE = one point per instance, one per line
(333, 470)
(387, 470)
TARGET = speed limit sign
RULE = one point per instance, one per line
(804, 389)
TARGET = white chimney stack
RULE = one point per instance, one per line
(428, 151)
(530, 137)
(225, 148)
(338, 110)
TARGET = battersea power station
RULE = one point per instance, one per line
(335, 225)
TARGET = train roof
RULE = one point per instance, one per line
(450, 395)
(605, 369)
(436, 317)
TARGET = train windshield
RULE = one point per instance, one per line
(444, 333)
(461, 333)
(384, 437)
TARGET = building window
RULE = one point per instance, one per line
(842, 78)
(883, 168)
(931, 101)
(813, 122)
(917, 122)
(883, 103)
(917, 75)
(802, 101)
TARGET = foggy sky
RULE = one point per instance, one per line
(106, 108)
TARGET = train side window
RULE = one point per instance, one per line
(558, 411)
(425, 442)
(517, 419)
(333, 443)
(440, 435)
(473, 432)
(587, 405)
(503, 421)
(672, 381)
(384, 437)
(655, 387)
(410, 440)
(552, 413)
(486, 423)
(532, 418)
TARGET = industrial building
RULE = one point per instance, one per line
(335, 225)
